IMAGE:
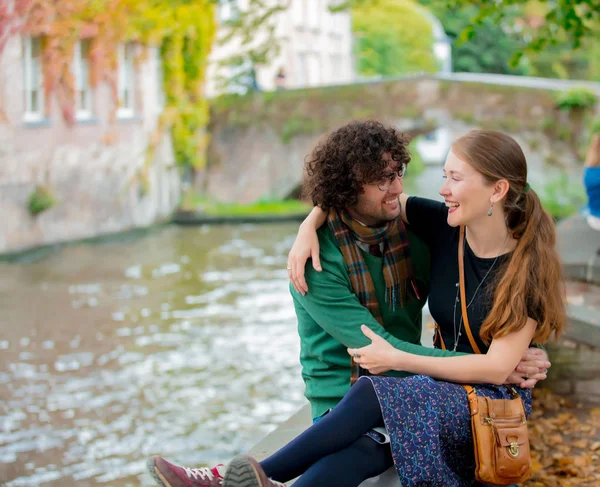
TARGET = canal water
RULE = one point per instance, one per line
(180, 341)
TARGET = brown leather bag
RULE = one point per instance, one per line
(499, 426)
(500, 439)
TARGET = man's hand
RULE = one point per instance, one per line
(531, 369)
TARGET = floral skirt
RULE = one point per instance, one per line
(429, 425)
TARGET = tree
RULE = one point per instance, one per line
(503, 42)
(489, 50)
(254, 31)
(392, 37)
(548, 22)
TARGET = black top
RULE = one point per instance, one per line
(428, 219)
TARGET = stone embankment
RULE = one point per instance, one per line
(576, 357)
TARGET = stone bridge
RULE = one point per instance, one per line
(259, 141)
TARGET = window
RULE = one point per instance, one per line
(298, 9)
(83, 91)
(228, 10)
(33, 79)
(313, 14)
(126, 81)
(301, 79)
(336, 73)
(313, 71)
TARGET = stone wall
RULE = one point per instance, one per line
(96, 170)
(575, 371)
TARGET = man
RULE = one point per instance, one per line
(375, 272)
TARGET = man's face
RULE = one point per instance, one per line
(376, 206)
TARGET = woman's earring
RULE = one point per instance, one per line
(489, 213)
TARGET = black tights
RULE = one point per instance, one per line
(323, 453)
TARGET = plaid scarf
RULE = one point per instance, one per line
(397, 266)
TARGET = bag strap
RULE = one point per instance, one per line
(463, 300)
(438, 336)
(472, 396)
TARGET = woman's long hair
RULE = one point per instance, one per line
(532, 283)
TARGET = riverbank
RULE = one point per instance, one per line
(193, 211)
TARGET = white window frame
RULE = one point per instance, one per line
(83, 89)
(298, 11)
(314, 70)
(301, 70)
(336, 70)
(32, 72)
(126, 81)
(313, 14)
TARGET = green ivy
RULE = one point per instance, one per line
(562, 198)
(40, 200)
(576, 98)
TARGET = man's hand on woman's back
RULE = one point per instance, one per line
(532, 368)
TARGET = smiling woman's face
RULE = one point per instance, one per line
(466, 192)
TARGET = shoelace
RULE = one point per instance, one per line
(203, 473)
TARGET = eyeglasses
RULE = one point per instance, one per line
(385, 182)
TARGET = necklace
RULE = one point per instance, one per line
(458, 332)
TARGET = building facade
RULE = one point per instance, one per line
(95, 168)
(316, 47)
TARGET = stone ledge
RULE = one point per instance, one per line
(579, 248)
(583, 325)
(195, 218)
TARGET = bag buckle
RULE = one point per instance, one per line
(513, 449)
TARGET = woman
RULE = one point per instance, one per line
(513, 298)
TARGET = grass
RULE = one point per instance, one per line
(561, 197)
(200, 204)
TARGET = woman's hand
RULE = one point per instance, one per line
(305, 247)
(379, 357)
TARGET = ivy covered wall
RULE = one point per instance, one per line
(183, 30)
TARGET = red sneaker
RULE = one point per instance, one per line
(245, 471)
(167, 474)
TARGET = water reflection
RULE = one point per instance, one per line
(181, 341)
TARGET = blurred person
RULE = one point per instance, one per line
(356, 174)
(280, 80)
(591, 181)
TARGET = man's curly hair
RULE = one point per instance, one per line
(350, 157)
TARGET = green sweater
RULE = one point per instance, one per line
(330, 316)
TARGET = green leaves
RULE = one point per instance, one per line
(40, 200)
(392, 37)
(576, 98)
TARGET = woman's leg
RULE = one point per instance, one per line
(355, 415)
(362, 460)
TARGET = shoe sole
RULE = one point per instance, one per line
(241, 473)
(160, 480)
